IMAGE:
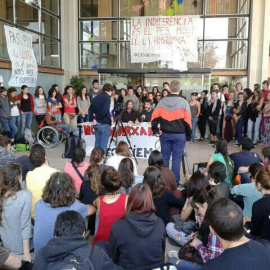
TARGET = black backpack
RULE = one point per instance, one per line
(71, 144)
(73, 261)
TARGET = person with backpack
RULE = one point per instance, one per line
(77, 167)
(70, 250)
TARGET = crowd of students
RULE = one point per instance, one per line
(238, 112)
(44, 212)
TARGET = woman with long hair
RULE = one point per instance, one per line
(143, 95)
(140, 227)
(265, 126)
(221, 154)
(123, 93)
(254, 113)
(261, 208)
(203, 114)
(165, 92)
(126, 168)
(121, 151)
(228, 122)
(53, 100)
(209, 247)
(97, 157)
(76, 167)
(90, 190)
(15, 212)
(195, 108)
(26, 109)
(155, 90)
(163, 199)
(156, 159)
(40, 104)
(14, 103)
(214, 105)
(83, 104)
(196, 182)
(59, 195)
(239, 116)
(70, 104)
(111, 206)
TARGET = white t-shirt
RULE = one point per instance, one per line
(222, 99)
(14, 110)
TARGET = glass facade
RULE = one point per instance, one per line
(223, 34)
(41, 19)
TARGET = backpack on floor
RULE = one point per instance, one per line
(71, 144)
(22, 145)
(72, 261)
(29, 136)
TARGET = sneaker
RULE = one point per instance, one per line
(201, 139)
(211, 142)
(173, 254)
(13, 149)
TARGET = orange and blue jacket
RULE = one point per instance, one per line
(173, 115)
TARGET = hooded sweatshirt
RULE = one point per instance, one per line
(60, 247)
(173, 115)
(138, 241)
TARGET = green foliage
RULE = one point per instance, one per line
(77, 82)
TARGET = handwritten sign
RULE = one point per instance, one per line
(164, 38)
(21, 54)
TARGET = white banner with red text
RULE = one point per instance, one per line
(142, 140)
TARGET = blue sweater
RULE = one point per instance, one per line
(100, 109)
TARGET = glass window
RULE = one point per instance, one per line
(31, 2)
(225, 54)
(98, 30)
(223, 7)
(27, 16)
(51, 5)
(6, 10)
(125, 61)
(3, 43)
(244, 6)
(49, 25)
(124, 30)
(51, 52)
(226, 28)
(98, 55)
(36, 47)
(97, 8)
(159, 7)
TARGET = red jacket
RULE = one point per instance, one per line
(31, 101)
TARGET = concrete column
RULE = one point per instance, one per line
(259, 42)
(69, 34)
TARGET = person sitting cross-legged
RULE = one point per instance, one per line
(69, 248)
(226, 222)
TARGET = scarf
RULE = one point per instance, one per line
(213, 101)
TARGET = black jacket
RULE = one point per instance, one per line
(138, 242)
(215, 113)
(62, 246)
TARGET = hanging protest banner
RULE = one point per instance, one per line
(164, 39)
(22, 57)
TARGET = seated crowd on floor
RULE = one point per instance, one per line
(47, 216)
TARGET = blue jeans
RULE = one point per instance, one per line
(102, 134)
(65, 127)
(194, 122)
(173, 144)
(9, 127)
(26, 121)
(239, 130)
(256, 126)
(184, 265)
(16, 120)
(58, 116)
(83, 119)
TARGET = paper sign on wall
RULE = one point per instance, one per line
(21, 54)
(164, 39)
